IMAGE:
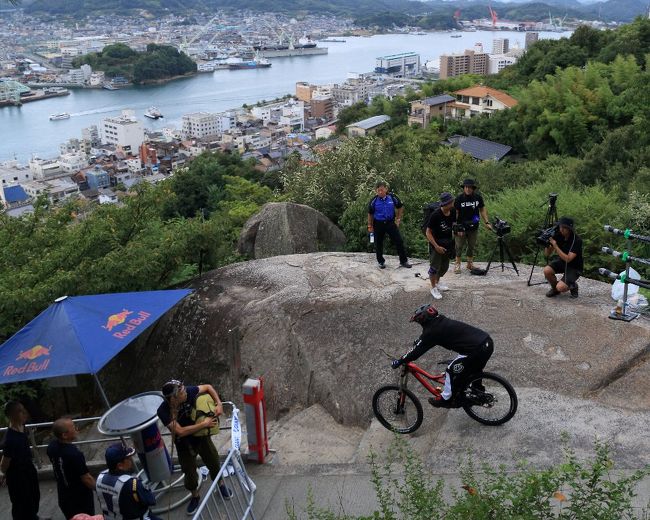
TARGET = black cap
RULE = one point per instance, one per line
(117, 453)
(566, 221)
(469, 182)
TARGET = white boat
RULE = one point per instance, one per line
(153, 113)
(58, 117)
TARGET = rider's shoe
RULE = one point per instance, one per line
(442, 403)
(477, 387)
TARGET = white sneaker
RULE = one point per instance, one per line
(442, 287)
(436, 294)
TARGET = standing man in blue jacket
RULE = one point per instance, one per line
(385, 212)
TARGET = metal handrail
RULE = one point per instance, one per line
(32, 427)
(240, 504)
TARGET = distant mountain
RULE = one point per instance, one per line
(619, 10)
(615, 10)
(346, 7)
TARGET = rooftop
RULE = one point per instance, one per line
(437, 100)
(371, 122)
(399, 55)
(480, 149)
(481, 91)
(15, 194)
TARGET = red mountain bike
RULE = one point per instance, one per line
(485, 397)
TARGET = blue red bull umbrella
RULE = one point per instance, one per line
(80, 334)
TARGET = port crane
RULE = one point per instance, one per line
(185, 45)
(493, 14)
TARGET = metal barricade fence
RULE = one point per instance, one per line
(240, 505)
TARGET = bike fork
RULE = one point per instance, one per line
(402, 386)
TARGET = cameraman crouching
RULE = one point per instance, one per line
(568, 247)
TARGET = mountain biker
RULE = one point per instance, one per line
(473, 345)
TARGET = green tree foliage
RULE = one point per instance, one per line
(397, 108)
(572, 490)
(158, 62)
(200, 187)
(150, 242)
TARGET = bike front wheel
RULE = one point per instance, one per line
(489, 399)
(398, 410)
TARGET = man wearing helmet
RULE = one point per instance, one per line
(473, 346)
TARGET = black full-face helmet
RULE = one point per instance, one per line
(424, 314)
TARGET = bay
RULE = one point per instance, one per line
(27, 130)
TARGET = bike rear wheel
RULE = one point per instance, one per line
(489, 399)
(398, 410)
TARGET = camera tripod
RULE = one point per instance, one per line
(502, 246)
(549, 220)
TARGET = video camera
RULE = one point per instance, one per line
(457, 228)
(501, 227)
(545, 235)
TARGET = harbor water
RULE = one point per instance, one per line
(27, 130)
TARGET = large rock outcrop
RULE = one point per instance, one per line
(314, 325)
(284, 228)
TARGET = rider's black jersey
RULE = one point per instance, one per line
(450, 334)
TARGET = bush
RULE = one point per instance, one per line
(572, 490)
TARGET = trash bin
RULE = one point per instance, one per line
(136, 416)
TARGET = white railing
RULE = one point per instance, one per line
(240, 505)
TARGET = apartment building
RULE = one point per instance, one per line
(124, 131)
(500, 45)
(472, 61)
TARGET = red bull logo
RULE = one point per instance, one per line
(116, 319)
(30, 366)
(123, 324)
(33, 353)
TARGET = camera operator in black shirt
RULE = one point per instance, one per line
(568, 247)
(470, 210)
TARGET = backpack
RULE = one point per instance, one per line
(427, 211)
(204, 407)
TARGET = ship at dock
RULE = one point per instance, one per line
(304, 47)
(255, 63)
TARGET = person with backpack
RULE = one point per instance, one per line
(385, 212)
(439, 233)
(470, 210)
(176, 414)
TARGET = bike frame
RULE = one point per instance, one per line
(424, 377)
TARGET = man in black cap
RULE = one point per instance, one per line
(121, 494)
(440, 236)
(568, 247)
(470, 210)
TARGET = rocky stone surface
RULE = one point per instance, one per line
(314, 327)
(284, 228)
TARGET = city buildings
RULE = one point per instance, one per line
(367, 126)
(423, 111)
(479, 99)
(199, 124)
(124, 131)
(500, 45)
(472, 61)
(498, 62)
(531, 37)
(403, 65)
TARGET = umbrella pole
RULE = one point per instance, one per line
(101, 391)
